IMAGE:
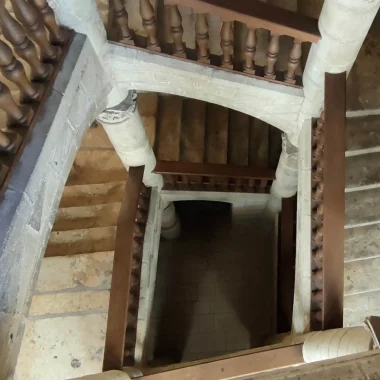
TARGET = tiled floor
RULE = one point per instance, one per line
(215, 285)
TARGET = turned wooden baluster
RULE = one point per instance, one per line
(227, 44)
(16, 115)
(177, 31)
(202, 38)
(272, 55)
(293, 62)
(121, 20)
(149, 23)
(23, 46)
(30, 19)
(13, 70)
(249, 52)
(56, 33)
(7, 141)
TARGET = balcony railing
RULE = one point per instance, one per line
(29, 33)
(253, 15)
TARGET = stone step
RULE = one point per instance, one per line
(73, 218)
(361, 276)
(216, 139)
(363, 134)
(63, 243)
(362, 242)
(147, 104)
(362, 207)
(96, 166)
(238, 139)
(95, 194)
(192, 145)
(169, 128)
(363, 170)
(87, 271)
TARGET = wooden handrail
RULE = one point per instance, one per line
(120, 295)
(256, 14)
(213, 170)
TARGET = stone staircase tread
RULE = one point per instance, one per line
(92, 194)
(147, 103)
(63, 243)
(169, 128)
(362, 242)
(90, 270)
(362, 206)
(359, 306)
(362, 170)
(362, 133)
(361, 276)
(216, 140)
(73, 218)
(193, 131)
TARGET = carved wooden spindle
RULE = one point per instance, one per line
(272, 55)
(23, 46)
(16, 115)
(5, 142)
(56, 33)
(13, 70)
(227, 44)
(293, 62)
(202, 38)
(121, 20)
(149, 23)
(30, 19)
(177, 31)
(249, 52)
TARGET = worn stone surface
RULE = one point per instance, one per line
(33, 194)
(83, 271)
(362, 206)
(238, 139)
(363, 133)
(78, 241)
(193, 131)
(76, 347)
(363, 170)
(362, 242)
(361, 276)
(216, 134)
(169, 128)
(94, 194)
(73, 218)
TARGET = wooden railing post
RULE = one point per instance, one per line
(25, 48)
(121, 20)
(249, 52)
(177, 31)
(227, 44)
(30, 19)
(149, 23)
(272, 56)
(202, 38)
(13, 70)
(293, 62)
(7, 141)
(56, 33)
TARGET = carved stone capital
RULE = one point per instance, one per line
(121, 112)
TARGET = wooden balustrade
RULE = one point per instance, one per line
(328, 182)
(227, 44)
(249, 52)
(214, 177)
(29, 17)
(272, 56)
(125, 287)
(202, 38)
(294, 61)
(149, 22)
(120, 15)
(177, 32)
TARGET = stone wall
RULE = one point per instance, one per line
(31, 199)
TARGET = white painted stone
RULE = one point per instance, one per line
(171, 227)
(62, 348)
(302, 288)
(148, 278)
(51, 305)
(80, 272)
(274, 103)
(109, 375)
